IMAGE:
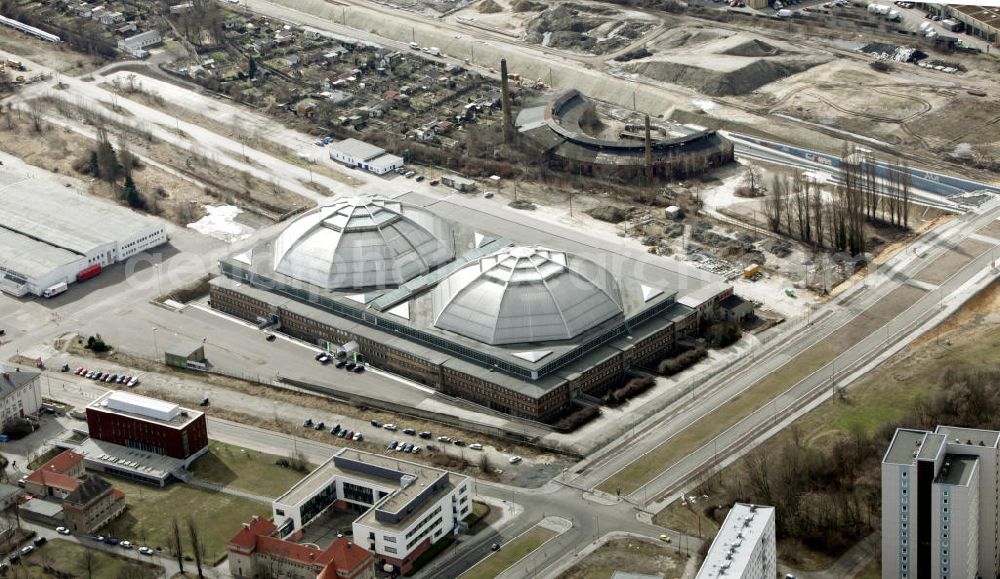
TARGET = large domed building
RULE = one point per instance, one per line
(363, 242)
(508, 313)
(526, 294)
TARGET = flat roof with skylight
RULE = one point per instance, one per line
(144, 408)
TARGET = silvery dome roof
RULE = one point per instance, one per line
(363, 242)
(526, 294)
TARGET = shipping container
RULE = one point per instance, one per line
(89, 272)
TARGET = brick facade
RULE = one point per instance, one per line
(179, 443)
(594, 380)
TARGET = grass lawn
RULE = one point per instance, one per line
(793, 552)
(65, 557)
(711, 425)
(688, 520)
(511, 553)
(630, 556)
(148, 519)
(479, 510)
(246, 470)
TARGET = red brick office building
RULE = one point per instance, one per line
(148, 424)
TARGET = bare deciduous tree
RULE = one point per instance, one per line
(89, 562)
(758, 474)
(196, 546)
(774, 203)
(35, 116)
(752, 182)
(176, 544)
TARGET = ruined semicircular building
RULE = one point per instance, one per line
(677, 151)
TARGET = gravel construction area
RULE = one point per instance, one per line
(722, 63)
(587, 28)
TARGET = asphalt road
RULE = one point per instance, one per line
(850, 306)
(168, 564)
(932, 182)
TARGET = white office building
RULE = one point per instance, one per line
(939, 504)
(745, 546)
(20, 393)
(365, 155)
(405, 507)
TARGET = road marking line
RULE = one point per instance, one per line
(985, 238)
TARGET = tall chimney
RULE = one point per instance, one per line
(649, 152)
(508, 125)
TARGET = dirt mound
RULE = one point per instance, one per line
(593, 9)
(682, 37)
(636, 54)
(609, 213)
(526, 6)
(754, 48)
(489, 7)
(593, 30)
(721, 83)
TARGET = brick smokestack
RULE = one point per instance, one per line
(508, 125)
(649, 152)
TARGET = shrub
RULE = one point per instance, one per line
(297, 463)
(17, 428)
(576, 418)
(97, 345)
(631, 389)
(681, 361)
(723, 334)
(881, 66)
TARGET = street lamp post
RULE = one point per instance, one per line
(156, 348)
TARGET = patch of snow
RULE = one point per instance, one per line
(546, 37)
(705, 105)
(962, 149)
(821, 177)
(220, 223)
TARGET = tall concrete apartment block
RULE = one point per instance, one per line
(940, 504)
(744, 548)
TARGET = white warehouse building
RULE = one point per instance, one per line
(745, 547)
(50, 235)
(365, 155)
(405, 507)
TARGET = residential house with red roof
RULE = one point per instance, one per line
(256, 551)
(88, 501)
(56, 478)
